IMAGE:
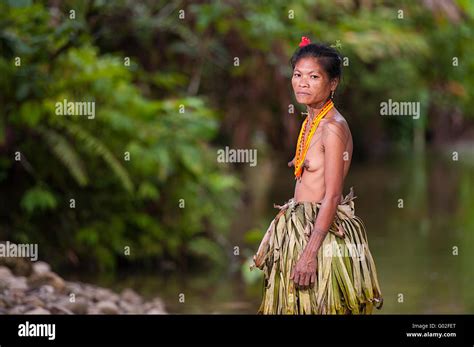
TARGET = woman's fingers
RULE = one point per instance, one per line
(303, 280)
(307, 279)
(296, 278)
(300, 279)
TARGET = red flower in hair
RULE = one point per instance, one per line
(304, 41)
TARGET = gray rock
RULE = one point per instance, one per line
(33, 301)
(38, 310)
(75, 287)
(5, 272)
(44, 292)
(126, 307)
(19, 266)
(103, 294)
(18, 283)
(57, 309)
(107, 307)
(5, 278)
(92, 310)
(39, 279)
(155, 311)
(156, 304)
(46, 289)
(131, 297)
(40, 267)
(14, 296)
(3, 302)
(20, 309)
(79, 306)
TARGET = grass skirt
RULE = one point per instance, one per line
(346, 281)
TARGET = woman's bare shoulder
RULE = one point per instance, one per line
(337, 125)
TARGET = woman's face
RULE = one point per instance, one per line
(311, 84)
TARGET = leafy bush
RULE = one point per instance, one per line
(139, 176)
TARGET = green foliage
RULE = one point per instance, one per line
(38, 199)
(204, 247)
(63, 150)
(127, 169)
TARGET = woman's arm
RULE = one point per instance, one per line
(334, 139)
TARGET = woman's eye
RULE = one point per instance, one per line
(314, 76)
(296, 75)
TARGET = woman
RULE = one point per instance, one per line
(315, 254)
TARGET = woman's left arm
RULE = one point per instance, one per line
(334, 139)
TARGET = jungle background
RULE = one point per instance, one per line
(168, 92)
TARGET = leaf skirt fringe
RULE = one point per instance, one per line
(346, 281)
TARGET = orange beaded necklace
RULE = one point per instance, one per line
(302, 145)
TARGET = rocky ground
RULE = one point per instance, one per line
(32, 288)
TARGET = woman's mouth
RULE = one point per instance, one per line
(302, 93)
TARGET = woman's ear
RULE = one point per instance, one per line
(334, 83)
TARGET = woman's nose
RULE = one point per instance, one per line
(303, 82)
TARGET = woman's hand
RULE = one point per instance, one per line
(291, 163)
(304, 272)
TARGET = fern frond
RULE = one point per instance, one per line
(94, 145)
(65, 153)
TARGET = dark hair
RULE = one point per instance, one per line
(327, 56)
